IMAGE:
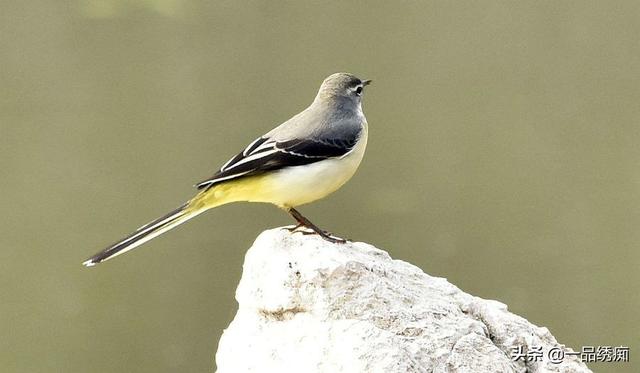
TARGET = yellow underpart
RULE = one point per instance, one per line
(247, 189)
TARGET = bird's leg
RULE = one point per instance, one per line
(302, 221)
(294, 229)
(306, 223)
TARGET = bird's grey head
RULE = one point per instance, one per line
(342, 86)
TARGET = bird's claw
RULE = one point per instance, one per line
(328, 236)
(294, 229)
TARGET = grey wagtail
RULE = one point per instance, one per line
(302, 160)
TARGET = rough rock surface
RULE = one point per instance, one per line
(306, 305)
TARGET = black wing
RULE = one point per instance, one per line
(265, 154)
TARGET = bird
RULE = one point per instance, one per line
(300, 161)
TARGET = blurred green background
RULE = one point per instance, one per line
(503, 155)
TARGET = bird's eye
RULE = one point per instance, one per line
(359, 90)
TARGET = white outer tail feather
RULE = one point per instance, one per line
(144, 234)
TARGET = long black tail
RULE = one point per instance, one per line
(144, 234)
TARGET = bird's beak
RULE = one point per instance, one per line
(366, 82)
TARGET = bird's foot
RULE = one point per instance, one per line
(295, 229)
(310, 232)
(306, 231)
(334, 239)
(327, 236)
(306, 223)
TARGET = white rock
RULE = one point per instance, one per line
(306, 305)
